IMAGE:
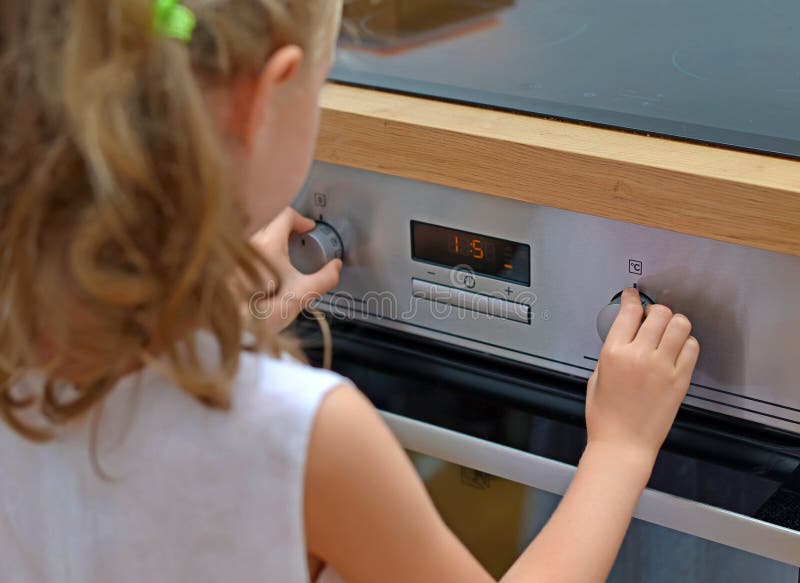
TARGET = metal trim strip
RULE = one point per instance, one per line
(679, 514)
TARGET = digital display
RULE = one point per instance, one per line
(482, 254)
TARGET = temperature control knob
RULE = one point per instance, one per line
(311, 251)
(608, 314)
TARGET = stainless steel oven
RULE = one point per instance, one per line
(472, 322)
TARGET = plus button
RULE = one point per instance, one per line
(508, 291)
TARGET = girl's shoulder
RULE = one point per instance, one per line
(274, 404)
(283, 382)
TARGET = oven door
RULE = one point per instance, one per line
(496, 443)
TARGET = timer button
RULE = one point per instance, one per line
(309, 252)
(609, 313)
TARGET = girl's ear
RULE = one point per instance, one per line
(276, 76)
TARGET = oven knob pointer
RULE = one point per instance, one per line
(609, 313)
(309, 252)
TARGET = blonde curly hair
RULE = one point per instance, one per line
(120, 234)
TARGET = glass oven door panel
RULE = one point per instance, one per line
(496, 518)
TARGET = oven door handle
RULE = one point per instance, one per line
(679, 514)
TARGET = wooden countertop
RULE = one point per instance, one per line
(732, 196)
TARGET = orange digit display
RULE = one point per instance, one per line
(484, 255)
(477, 252)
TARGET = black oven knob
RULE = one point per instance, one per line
(311, 251)
(608, 314)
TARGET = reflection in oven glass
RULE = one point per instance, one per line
(398, 24)
(496, 519)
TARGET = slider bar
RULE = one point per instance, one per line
(483, 304)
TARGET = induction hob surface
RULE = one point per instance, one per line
(726, 73)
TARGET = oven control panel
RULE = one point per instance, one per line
(540, 285)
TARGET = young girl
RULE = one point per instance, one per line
(143, 144)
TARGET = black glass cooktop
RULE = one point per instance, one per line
(725, 72)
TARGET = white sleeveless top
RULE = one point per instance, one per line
(198, 495)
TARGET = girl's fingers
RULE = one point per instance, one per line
(317, 284)
(624, 328)
(655, 323)
(287, 223)
(687, 358)
(299, 223)
(274, 238)
(675, 336)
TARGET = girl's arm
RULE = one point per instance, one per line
(582, 538)
(368, 514)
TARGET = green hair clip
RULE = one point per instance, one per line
(173, 20)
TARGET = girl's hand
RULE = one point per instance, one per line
(297, 290)
(642, 376)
